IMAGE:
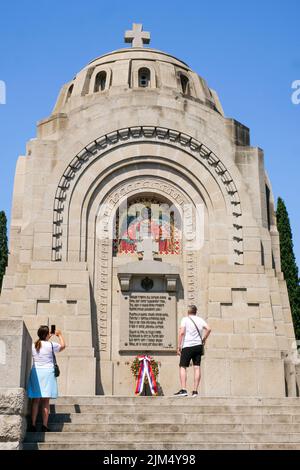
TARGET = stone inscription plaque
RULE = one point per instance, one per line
(148, 323)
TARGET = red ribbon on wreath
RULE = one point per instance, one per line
(145, 370)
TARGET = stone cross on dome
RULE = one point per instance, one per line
(137, 36)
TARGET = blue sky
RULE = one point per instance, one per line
(247, 51)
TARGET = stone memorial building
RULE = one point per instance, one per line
(138, 197)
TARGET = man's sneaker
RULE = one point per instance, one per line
(194, 394)
(181, 393)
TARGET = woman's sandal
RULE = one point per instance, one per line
(31, 428)
(45, 429)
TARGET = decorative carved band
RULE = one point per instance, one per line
(145, 134)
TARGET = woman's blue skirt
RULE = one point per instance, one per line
(42, 383)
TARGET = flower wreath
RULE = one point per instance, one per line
(145, 370)
(135, 367)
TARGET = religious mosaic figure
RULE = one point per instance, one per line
(136, 226)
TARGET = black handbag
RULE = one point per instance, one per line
(202, 345)
(56, 368)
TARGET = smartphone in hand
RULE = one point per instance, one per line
(53, 329)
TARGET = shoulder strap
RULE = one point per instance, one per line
(197, 329)
(53, 355)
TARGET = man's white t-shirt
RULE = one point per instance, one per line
(44, 358)
(191, 337)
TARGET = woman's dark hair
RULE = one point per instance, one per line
(42, 333)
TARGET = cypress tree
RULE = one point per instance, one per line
(3, 246)
(288, 263)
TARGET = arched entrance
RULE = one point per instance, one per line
(164, 174)
(139, 288)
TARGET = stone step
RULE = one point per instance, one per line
(171, 428)
(157, 401)
(172, 418)
(193, 406)
(165, 437)
(170, 423)
(101, 445)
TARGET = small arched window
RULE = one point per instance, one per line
(144, 78)
(185, 86)
(100, 81)
(70, 91)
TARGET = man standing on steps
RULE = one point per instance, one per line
(193, 334)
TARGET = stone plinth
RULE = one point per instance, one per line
(15, 356)
(15, 364)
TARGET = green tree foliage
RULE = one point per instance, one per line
(288, 263)
(3, 246)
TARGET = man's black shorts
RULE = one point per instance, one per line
(189, 354)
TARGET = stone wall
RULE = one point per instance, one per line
(13, 410)
(15, 364)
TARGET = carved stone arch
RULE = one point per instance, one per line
(141, 184)
(142, 171)
(101, 280)
(144, 134)
(216, 208)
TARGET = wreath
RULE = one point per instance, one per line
(135, 367)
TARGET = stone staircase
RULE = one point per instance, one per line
(170, 423)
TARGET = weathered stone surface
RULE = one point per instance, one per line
(13, 410)
(16, 445)
(11, 427)
(12, 401)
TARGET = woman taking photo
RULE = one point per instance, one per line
(42, 381)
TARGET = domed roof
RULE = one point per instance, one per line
(137, 37)
(138, 53)
(121, 70)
